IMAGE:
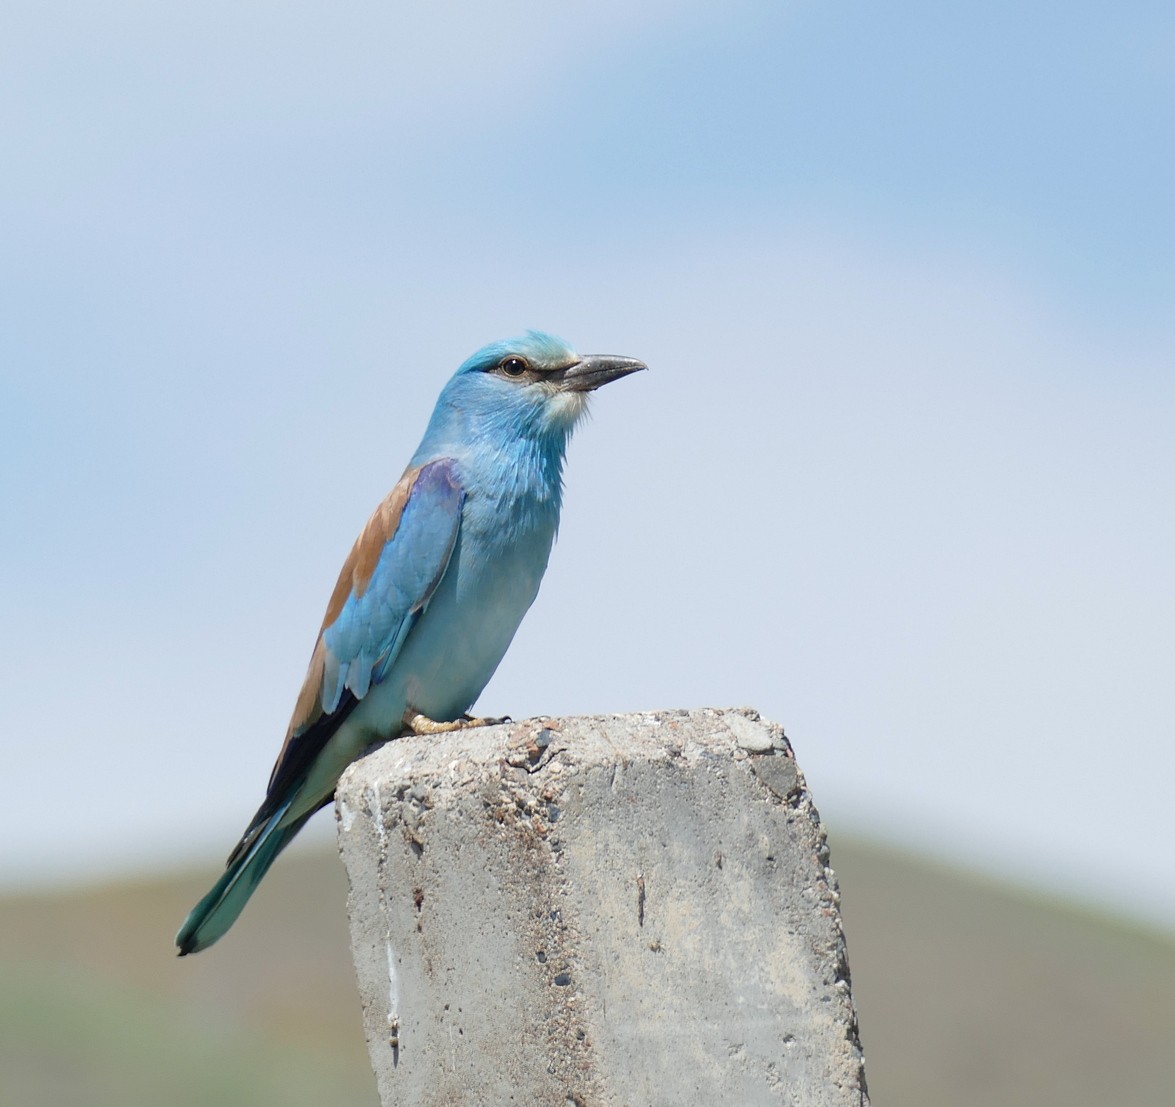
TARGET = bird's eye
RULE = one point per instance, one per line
(513, 366)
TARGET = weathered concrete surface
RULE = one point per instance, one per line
(615, 911)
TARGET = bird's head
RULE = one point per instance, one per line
(535, 385)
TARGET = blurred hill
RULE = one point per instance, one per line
(969, 993)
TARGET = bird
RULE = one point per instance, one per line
(432, 592)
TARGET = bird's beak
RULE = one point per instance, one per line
(594, 370)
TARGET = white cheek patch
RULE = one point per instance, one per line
(565, 409)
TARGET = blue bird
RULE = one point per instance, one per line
(431, 593)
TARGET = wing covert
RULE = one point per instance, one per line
(386, 582)
(364, 638)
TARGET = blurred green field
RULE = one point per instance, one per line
(969, 994)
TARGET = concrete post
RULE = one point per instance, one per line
(612, 911)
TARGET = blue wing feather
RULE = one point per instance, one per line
(363, 641)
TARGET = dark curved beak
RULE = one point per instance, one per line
(594, 370)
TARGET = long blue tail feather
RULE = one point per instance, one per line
(210, 919)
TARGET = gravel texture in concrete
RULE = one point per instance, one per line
(610, 911)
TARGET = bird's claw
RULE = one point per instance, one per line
(422, 724)
(495, 720)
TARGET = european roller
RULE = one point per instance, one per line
(432, 592)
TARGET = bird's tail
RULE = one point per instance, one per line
(210, 919)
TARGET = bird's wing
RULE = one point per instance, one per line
(387, 580)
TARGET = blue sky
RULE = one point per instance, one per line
(901, 476)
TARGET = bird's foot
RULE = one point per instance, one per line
(422, 724)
